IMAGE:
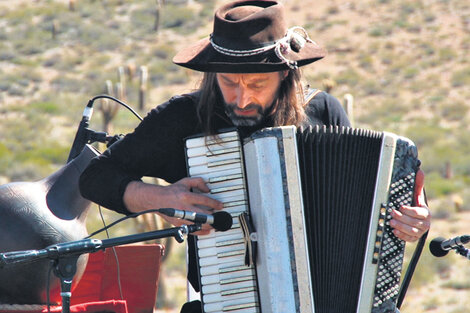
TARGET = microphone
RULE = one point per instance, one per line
(82, 134)
(440, 246)
(220, 220)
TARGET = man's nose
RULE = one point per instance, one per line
(243, 97)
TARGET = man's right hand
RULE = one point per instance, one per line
(140, 196)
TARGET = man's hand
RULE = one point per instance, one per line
(141, 196)
(410, 223)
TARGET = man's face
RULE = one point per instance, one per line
(248, 96)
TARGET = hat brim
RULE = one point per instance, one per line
(202, 57)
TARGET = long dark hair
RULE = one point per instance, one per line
(288, 109)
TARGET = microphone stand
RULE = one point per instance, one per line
(65, 255)
(462, 251)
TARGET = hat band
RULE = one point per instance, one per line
(292, 41)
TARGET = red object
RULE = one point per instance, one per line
(98, 290)
(139, 267)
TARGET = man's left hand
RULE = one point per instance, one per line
(411, 223)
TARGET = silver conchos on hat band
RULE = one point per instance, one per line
(294, 40)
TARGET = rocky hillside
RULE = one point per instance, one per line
(405, 62)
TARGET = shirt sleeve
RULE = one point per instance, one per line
(155, 149)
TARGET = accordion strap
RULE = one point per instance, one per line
(312, 93)
(412, 265)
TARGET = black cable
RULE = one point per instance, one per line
(121, 220)
(90, 103)
(118, 268)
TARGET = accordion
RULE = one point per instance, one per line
(311, 211)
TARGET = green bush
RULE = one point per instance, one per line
(348, 77)
(179, 17)
(454, 111)
(437, 186)
(461, 77)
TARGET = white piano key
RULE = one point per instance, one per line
(249, 309)
(223, 138)
(214, 241)
(217, 278)
(225, 147)
(232, 256)
(236, 181)
(229, 195)
(222, 268)
(228, 288)
(225, 176)
(228, 188)
(215, 251)
(222, 175)
(208, 159)
(219, 234)
(217, 301)
(204, 169)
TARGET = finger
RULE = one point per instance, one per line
(404, 236)
(406, 229)
(194, 182)
(202, 232)
(418, 212)
(422, 224)
(201, 200)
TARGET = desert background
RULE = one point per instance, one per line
(405, 62)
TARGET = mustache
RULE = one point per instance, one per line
(251, 106)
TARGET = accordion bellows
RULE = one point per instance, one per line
(319, 201)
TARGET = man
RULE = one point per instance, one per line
(251, 80)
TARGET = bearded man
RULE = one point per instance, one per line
(251, 80)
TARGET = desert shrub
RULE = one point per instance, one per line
(446, 54)
(380, 31)
(6, 157)
(348, 77)
(44, 153)
(67, 84)
(410, 72)
(429, 81)
(366, 61)
(461, 77)
(45, 107)
(454, 111)
(163, 51)
(457, 285)
(437, 186)
(371, 87)
(29, 171)
(144, 18)
(179, 17)
(425, 134)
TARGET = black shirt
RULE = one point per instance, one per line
(156, 149)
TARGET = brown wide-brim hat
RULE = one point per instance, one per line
(250, 37)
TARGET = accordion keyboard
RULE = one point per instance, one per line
(227, 283)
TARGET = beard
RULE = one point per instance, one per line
(239, 120)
